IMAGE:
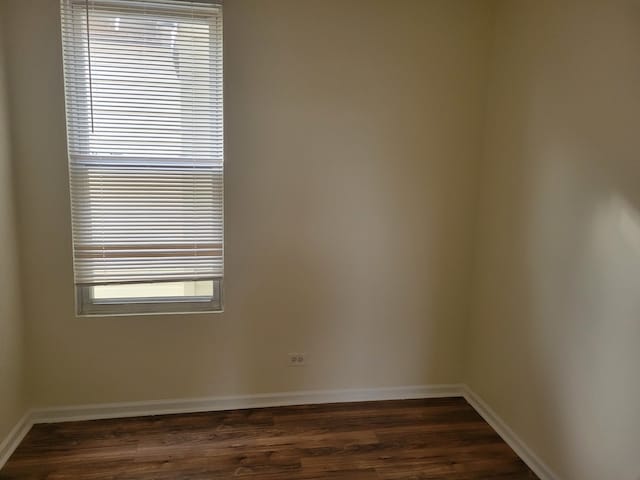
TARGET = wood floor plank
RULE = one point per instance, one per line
(391, 440)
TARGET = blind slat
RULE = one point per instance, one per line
(143, 84)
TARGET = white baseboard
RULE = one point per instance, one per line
(15, 436)
(527, 455)
(163, 407)
(192, 405)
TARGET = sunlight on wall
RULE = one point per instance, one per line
(627, 219)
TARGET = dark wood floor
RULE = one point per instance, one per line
(407, 439)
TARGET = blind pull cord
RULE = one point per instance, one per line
(86, 4)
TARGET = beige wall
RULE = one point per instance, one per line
(353, 133)
(12, 405)
(554, 342)
(352, 136)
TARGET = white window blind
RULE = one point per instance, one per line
(143, 83)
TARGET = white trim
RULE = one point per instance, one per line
(163, 407)
(15, 436)
(192, 405)
(528, 456)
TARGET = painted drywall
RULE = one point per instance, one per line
(12, 404)
(553, 344)
(352, 138)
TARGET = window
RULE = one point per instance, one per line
(143, 85)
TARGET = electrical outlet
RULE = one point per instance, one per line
(296, 359)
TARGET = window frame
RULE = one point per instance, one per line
(87, 305)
